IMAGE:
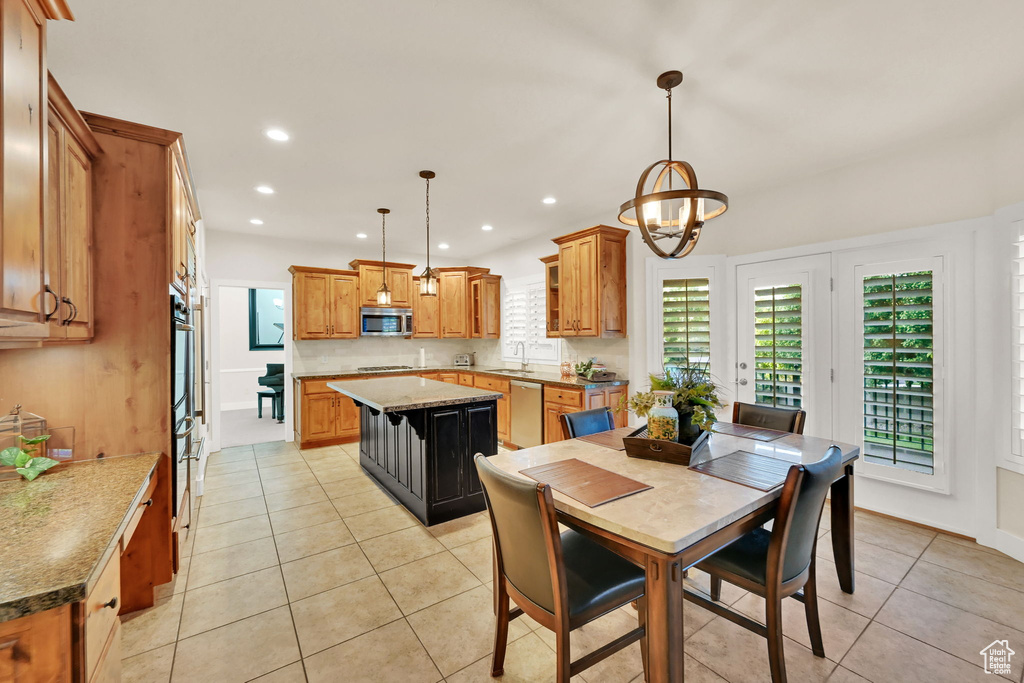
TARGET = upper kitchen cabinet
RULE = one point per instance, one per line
(453, 293)
(485, 303)
(551, 294)
(426, 323)
(325, 303)
(67, 234)
(371, 275)
(184, 214)
(592, 283)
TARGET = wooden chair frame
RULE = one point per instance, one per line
(800, 416)
(775, 589)
(559, 621)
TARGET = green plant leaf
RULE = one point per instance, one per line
(22, 458)
(38, 439)
(8, 455)
(35, 467)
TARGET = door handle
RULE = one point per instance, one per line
(56, 303)
(742, 381)
(191, 425)
(67, 301)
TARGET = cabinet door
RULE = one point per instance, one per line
(465, 379)
(76, 241)
(476, 315)
(21, 253)
(425, 322)
(346, 417)
(568, 270)
(318, 414)
(505, 418)
(586, 289)
(553, 294)
(553, 422)
(449, 377)
(596, 399)
(400, 282)
(615, 395)
(491, 295)
(177, 227)
(53, 286)
(311, 307)
(344, 307)
(454, 316)
(37, 647)
(370, 279)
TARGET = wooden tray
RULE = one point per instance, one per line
(589, 484)
(663, 451)
(610, 439)
(749, 469)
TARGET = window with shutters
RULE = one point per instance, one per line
(778, 346)
(524, 319)
(686, 322)
(899, 370)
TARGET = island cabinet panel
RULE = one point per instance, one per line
(37, 647)
(447, 479)
(587, 292)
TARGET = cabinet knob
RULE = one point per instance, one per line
(148, 502)
(111, 603)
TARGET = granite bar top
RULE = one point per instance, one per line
(392, 394)
(59, 530)
(548, 378)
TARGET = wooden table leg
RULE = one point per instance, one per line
(842, 529)
(664, 620)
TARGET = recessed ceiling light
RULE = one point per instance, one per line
(443, 245)
(549, 200)
(487, 228)
(361, 235)
(256, 221)
(265, 189)
(276, 134)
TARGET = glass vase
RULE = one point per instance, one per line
(663, 420)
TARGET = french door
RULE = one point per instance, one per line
(784, 337)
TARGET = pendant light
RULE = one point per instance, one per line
(428, 278)
(383, 293)
(663, 213)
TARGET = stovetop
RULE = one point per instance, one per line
(383, 368)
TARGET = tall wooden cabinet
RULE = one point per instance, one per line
(325, 303)
(592, 283)
(68, 232)
(485, 306)
(453, 292)
(552, 295)
(371, 275)
(426, 323)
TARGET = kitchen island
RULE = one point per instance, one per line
(418, 438)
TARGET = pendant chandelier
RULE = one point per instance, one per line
(671, 219)
(428, 278)
(383, 293)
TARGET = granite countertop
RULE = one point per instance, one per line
(60, 529)
(392, 394)
(552, 379)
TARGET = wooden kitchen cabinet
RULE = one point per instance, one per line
(485, 302)
(453, 292)
(37, 647)
(592, 283)
(504, 403)
(449, 377)
(323, 416)
(559, 400)
(371, 275)
(465, 379)
(426, 323)
(67, 236)
(551, 295)
(325, 303)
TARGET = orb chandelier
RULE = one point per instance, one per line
(383, 292)
(671, 218)
(428, 278)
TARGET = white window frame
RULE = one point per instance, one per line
(513, 286)
(1016, 455)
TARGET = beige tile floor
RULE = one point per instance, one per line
(301, 568)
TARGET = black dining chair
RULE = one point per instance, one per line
(779, 563)
(769, 417)
(562, 581)
(587, 422)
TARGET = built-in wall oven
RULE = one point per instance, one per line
(182, 408)
(386, 322)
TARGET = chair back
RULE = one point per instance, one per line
(769, 417)
(796, 526)
(587, 422)
(527, 544)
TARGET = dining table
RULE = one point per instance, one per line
(684, 517)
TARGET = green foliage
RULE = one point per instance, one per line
(22, 460)
(692, 387)
(585, 369)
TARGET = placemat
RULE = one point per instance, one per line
(747, 432)
(610, 439)
(749, 469)
(589, 484)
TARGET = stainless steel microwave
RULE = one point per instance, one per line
(385, 322)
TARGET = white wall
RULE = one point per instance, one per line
(239, 367)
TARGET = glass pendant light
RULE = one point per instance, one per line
(428, 278)
(383, 293)
(663, 213)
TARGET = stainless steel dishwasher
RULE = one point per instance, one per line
(527, 414)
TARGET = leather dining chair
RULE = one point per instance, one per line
(587, 422)
(779, 563)
(769, 417)
(562, 581)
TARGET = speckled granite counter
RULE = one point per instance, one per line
(59, 529)
(392, 394)
(551, 379)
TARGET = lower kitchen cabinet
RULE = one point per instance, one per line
(323, 416)
(561, 400)
(449, 377)
(504, 403)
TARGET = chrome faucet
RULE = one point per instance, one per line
(523, 363)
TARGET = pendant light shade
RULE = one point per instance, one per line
(428, 278)
(383, 292)
(668, 206)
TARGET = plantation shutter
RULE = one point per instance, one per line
(778, 346)
(898, 329)
(686, 322)
(524, 319)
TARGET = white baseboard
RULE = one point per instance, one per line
(242, 405)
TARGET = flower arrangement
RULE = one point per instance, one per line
(693, 391)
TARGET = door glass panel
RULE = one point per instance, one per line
(686, 322)
(778, 346)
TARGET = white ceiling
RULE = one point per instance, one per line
(512, 101)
